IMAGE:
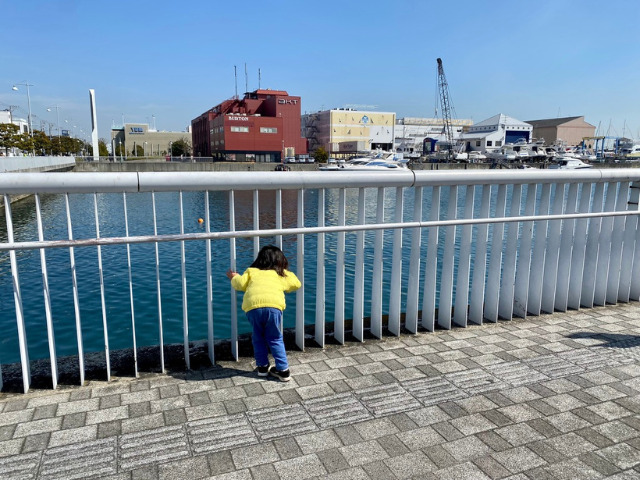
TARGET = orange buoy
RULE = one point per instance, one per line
(200, 220)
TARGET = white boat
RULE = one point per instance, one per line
(569, 163)
(382, 161)
(631, 153)
(476, 157)
(504, 153)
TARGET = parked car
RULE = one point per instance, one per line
(290, 160)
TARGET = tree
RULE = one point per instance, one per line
(180, 147)
(41, 143)
(9, 136)
(320, 155)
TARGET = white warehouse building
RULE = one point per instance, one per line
(495, 132)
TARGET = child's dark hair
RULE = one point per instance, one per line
(271, 257)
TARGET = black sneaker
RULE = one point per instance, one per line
(263, 371)
(283, 375)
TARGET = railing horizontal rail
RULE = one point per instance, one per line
(90, 182)
(92, 242)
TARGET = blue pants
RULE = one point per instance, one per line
(267, 336)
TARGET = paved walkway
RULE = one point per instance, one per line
(548, 397)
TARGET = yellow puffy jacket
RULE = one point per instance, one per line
(264, 288)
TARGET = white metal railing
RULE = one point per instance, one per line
(499, 244)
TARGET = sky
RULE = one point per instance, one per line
(168, 62)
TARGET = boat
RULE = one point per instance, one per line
(476, 157)
(381, 161)
(631, 153)
(568, 163)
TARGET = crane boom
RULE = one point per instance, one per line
(445, 108)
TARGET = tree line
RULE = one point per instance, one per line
(42, 144)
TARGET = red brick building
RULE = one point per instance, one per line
(264, 126)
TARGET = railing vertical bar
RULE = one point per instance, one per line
(615, 259)
(461, 306)
(183, 271)
(495, 259)
(476, 305)
(340, 271)
(523, 268)
(232, 262)
(320, 274)
(158, 289)
(552, 252)
(207, 243)
(591, 255)
(628, 253)
(133, 315)
(634, 288)
(103, 301)
(566, 251)
(279, 217)
(579, 248)
(413, 287)
(376, 278)
(47, 299)
(428, 316)
(17, 298)
(604, 248)
(446, 279)
(358, 285)
(256, 222)
(536, 279)
(300, 273)
(507, 285)
(76, 297)
(396, 266)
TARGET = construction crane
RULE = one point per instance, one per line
(446, 107)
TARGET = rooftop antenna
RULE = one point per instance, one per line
(259, 79)
(235, 74)
(246, 78)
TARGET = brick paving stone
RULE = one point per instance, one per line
(333, 461)
(386, 399)
(462, 470)
(362, 453)
(80, 460)
(317, 441)
(307, 466)
(518, 459)
(410, 465)
(281, 421)
(467, 448)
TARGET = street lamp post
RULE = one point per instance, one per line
(26, 84)
(58, 121)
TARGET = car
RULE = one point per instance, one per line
(290, 160)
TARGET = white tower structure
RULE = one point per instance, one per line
(94, 125)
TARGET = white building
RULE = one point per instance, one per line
(494, 132)
(7, 117)
(411, 133)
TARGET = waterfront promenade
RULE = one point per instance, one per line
(554, 396)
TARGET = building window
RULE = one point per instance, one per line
(268, 130)
(498, 143)
(489, 143)
(478, 143)
(240, 129)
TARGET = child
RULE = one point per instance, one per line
(265, 282)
